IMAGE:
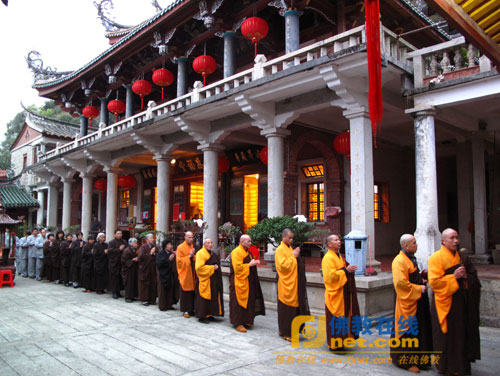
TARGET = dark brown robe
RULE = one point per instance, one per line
(237, 314)
(286, 313)
(114, 267)
(47, 260)
(147, 274)
(76, 260)
(214, 306)
(55, 256)
(461, 345)
(166, 280)
(65, 261)
(129, 273)
(100, 265)
(87, 278)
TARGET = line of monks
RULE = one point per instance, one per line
(447, 328)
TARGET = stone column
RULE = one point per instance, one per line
(464, 194)
(129, 102)
(104, 113)
(181, 76)
(163, 181)
(111, 201)
(292, 30)
(84, 126)
(87, 180)
(210, 199)
(52, 204)
(66, 214)
(229, 55)
(480, 208)
(347, 196)
(361, 170)
(427, 232)
(41, 210)
(139, 187)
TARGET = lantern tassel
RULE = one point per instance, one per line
(255, 44)
(375, 104)
(204, 78)
(116, 118)
(142, 102)
(162, 94)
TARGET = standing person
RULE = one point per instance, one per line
(412, 304)
(165, 263)
(87, 278)
(129, 261)
(8, 241)
(115, 249)
(100, 263)
(245, 295)
(292, 294)
(17, 252)
(56, 258)
(341, 298)
(76, 259)
(66, 259)
(35, 255)
(23, 254)
(185, 270)
(95, 225)
(43, 232)
(209, 295)
(47, 257)
(147, 271)
(454, 307)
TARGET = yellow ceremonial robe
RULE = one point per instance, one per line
(286, 266)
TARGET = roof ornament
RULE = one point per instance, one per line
(66, 99)
(41, 73)
(280, 4)
(87, 87)
(161, 45)
(111, 72)
(104, 8)
(235, 28)
(156, 5)
(207, 15)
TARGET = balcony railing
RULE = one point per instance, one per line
(391, 46)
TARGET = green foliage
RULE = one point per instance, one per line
(269, 230)
(188, 225)
(230, 236)
(72, 229)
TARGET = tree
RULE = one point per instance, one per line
(269, 230)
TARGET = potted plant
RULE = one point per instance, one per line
(229, 234)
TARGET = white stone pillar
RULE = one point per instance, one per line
(163, 181)
(210, 199)
(111, 201)
(87, 180)
(40, 214)
(464, 194)
(52, 204)
(347, 196)
(66, 214)
(361, 170)
(480, 215)
(139, 187)
(427, 232)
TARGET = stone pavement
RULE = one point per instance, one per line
(48, 329)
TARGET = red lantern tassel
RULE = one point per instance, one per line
(255, 44)
(142, 102)
(375, 104)
(116, 118)
(204, 78)
(90, 123)
(162, 94)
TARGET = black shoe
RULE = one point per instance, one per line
(128, 300)
(204, 321)
(66, 284)
(213, 319)
(120, 295)
(115, 296)
(145, 304)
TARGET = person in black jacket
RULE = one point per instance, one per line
(165, 263)
(76, 259)
(99, 253)
(87, 277)
(66, 259)
(56, 257)
(115, 249)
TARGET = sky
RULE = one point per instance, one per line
(66, 33)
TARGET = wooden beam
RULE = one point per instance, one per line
(460, 20)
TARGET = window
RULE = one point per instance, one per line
(125, 198)
(312, 190)
(381, 202)
(196, 198)
(251, 201)
(25, 160)
(313, 171)
(315, 202)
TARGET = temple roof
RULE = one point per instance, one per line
(12, 196)
(50, 127)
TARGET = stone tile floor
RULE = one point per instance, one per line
(48, 329)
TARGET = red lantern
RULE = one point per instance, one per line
(163, 77)
(204, 65)
(126, 181)
(90, 112)
(342, 144)
(142, 88)
(116, 107)
(255, 29)
(101, 185)
(263, 155)
(223, 164)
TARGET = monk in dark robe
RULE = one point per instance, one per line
(66, 259)
(129, 261)
(100, 263)
(47, 257)
(87, 278)
(245, 295)
(147, 271)
(185, 269)
(341, 298)
(411, 309)
(76, 259)
(165, 264)
(454, 307)
(209, 300)
(115, 249)
(292, 295)
(56, 257)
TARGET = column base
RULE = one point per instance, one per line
(481, 259)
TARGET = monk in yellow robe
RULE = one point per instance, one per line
(341, 299)
(412, 319)
(292, 294)
(454, 307)
(185, 270)
(209, 300)
(245, 295)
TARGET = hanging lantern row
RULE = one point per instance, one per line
(116, 107)
(90, 112)
(126, 181)
(163, 77)
(342, 144)
(254, 29)
(263, 155)
(142, 88)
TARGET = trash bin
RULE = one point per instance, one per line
(355, 250)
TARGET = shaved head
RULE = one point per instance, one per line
(449, 239)
(188, 237)
(208, 244)
(405, 238)
(447, 232)
(245, 241)
(331, 238)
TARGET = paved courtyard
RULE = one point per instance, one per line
(54, 330)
